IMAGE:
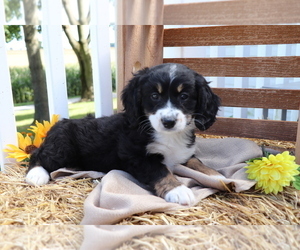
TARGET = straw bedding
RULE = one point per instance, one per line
(61, 203)
(221, 237)
(41, 237)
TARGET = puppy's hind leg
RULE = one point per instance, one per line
(37, 176)
(40, 165)
(195, 164)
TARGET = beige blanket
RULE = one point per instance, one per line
(119, 195)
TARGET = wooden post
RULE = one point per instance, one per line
(139, 39)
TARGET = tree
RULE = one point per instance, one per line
(81, 46)
(33, 46)
(38, 78)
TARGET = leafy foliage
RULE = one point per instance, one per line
(296, 183)
(22, 87)
(12, 32)
(73, 81)
(12, 9)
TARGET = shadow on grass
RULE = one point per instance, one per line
(24, 118)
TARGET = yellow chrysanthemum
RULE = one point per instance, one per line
(274, 172)
(25, 147)
(41, 129)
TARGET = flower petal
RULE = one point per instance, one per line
(12, 148)
(54, 119)
(21, 141)
(37, 141)
(275, 175)
(27, 141)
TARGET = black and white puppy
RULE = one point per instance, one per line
(162, 107)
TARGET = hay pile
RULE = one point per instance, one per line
(221, 237)
(61, 203)
(41, 237)
(230, 209)
(55, 203)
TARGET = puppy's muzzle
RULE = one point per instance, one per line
(168, 122)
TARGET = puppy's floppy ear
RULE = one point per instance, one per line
(207, 104)
(132, 97)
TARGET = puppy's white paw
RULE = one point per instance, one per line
(181, 194)
(37, 176)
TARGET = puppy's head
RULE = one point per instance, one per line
(171, 96)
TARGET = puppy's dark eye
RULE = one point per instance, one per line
(183, 96)
(155, 96)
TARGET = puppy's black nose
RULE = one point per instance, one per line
(168, 123)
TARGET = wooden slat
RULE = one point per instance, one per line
(259, 98)
(232, 35)
(241, 12)
(284, 66)
(250, 128)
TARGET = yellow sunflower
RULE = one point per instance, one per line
(25, 147)
(41, 129)
(274, 172)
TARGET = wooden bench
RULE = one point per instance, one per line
(257, 22)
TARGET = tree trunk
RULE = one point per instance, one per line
(82, 51)
(38, 77)
(85, 63)
(81, 47)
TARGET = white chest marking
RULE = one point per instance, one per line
(173, 146)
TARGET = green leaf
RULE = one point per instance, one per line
(266, 153)
(296, 183)
(253, 159)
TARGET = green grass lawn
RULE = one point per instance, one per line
(24, 118)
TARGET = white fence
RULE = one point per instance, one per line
(55, 69)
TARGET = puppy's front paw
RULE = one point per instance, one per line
(37, 176)
(181, 194)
